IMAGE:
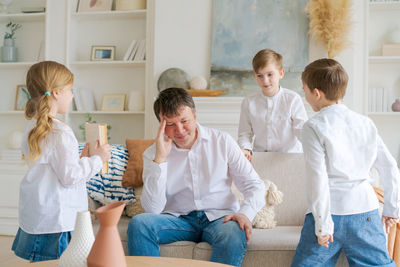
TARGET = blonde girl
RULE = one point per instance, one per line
(54, 188)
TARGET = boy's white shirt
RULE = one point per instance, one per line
(54, 188)
(340, 148)
(275, 122)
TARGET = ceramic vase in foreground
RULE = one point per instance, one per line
(81, 242)
(107, 250)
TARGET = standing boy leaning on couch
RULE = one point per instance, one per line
(340, 147)
(187, 176)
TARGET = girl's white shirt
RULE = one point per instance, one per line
(54, 188)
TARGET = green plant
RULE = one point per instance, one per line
(13, 27)
(90, 119)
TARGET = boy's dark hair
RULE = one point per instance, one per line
(265, 57)
(170, 100)
(328, 76)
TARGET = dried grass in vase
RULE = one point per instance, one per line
(330, 22)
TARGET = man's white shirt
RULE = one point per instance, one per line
(200, 178)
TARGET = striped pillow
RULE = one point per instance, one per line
(107, 188)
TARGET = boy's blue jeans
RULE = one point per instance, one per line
(146, 231)
(360, 236)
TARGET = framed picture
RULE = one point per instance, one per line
(22, 96)
(113, 102)
(94, 5)
(103, 53)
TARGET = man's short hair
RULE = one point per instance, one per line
(265, 57)
(170, 100)
(328, 76)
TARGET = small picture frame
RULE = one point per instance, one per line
(103, 53)
(22, 96)
(113, 102)
(94, 5)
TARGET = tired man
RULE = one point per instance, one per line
(187, 176)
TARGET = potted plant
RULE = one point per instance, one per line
(9, 51)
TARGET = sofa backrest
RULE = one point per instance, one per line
(287, 171)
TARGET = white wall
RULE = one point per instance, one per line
(182, 38)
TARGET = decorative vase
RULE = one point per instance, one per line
(9, 51)
(107, 250)
(81, 242)
(198, 83)
(396, 105)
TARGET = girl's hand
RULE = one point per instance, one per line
(324, 240)
(163, 147)
(104, 151)
(388, 222)
(85, 151)
(247, 154)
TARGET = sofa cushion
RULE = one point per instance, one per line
(134, 168)
(287, 171)
(107, 187)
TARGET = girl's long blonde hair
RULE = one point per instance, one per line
(42, 77)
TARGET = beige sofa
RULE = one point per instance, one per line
(268, 247)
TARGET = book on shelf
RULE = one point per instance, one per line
(84, 99)
(140, 54)
(129, 50)
(385, 106)
(134, 50)
(378, 99)
(94, 132)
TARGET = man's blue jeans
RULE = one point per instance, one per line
(146, 231)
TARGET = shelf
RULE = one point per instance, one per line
(107, 112)
(383, 113)
(22, 17)
(131, 14)
(382, 59)
(12, 112)
(388, 5)
(14, 65)
(116, 63)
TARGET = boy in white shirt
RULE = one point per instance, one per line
(340, 147)
(275, 115)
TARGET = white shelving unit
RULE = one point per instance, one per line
(108, 28)
(66, 37)
(383, 71)
(30, 40)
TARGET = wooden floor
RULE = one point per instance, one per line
(7, 256)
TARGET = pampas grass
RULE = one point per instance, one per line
(330, 22)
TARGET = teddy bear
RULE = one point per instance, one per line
(265, 218)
